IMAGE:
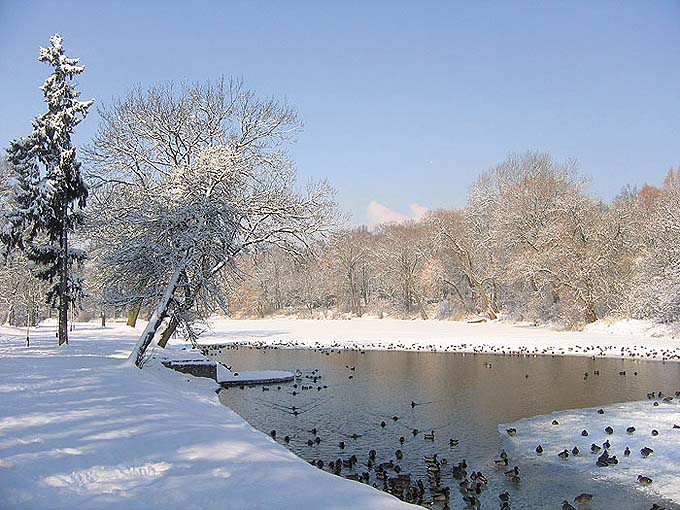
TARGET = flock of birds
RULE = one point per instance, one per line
(638, 352)
(604, 457)
(434, 490)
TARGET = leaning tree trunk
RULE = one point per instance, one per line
(137, 354)
(167, 333)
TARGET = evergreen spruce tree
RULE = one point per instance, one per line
(49, 192)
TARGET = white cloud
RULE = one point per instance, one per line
(378, 213)
(418, 211)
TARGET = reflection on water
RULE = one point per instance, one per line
(366, 401)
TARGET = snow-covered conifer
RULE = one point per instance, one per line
(49, 192)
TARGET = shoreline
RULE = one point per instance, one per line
(498, 337)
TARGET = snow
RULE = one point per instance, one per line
(249, 377)
(80, 428)
(611, 340)
(663, 466)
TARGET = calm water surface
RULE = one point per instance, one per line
(458, 396)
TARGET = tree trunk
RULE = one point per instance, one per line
(167, 333)
(156, 319)
(133, 314)
(103, 316)
(590, 314)
(63, 281)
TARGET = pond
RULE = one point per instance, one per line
(388, 401)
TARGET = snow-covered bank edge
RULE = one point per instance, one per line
(662, 466)
(624, 339)
(81, 429)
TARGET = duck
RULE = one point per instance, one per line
(555, 422)
(626, 452)
(602, 460)
(402, 440)
(453, 442)
(644, 480)
(584, 433)
(600, 411)
(575, 451)
(646, 451)
(630, 430)
(511, 431)
(609, 430)
(655, 432)
(399, 454)
(607, 445)
(513, 472)
(430, 459)
(429, 436)
(539, 450)
(583, 498)
(567, 506)
(503, 461)
(564, 454)
(594, 448)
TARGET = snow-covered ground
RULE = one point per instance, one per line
(80, 429)
(662, 466)
(621, 339)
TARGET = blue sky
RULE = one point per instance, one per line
(403, 102)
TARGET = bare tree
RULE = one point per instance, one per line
(189, 179)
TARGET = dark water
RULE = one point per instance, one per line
(459, 396)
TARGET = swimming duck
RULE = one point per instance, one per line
(429, 436)
(609, 430)
(539, 450)
(600, 411)
(583, 498)
(511, 431)
(626, 452)
(575, 451)
(584, 433)
(453, 442)
(503, 461)
(607, 445)
(594, 448)
(399, 454)
(567, 506)
(555, 422)
(655, 432)
(630, 430)
(513, 472)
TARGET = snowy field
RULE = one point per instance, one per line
(627, 339)
(79, 428)
(662, 466)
